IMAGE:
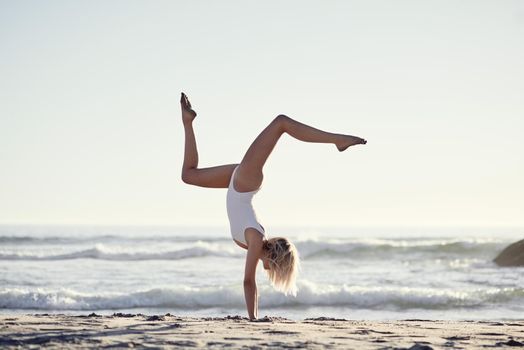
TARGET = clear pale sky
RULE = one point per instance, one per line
(90, 129)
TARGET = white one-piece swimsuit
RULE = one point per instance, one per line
(240, 212)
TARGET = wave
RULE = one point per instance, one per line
(308, 249)
(381, 247)
(103, 238)
(102, 253)
(309, 295)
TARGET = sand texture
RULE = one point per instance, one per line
(234, 332)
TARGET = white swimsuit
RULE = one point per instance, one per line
(241, 212)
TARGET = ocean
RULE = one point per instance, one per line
(353, 273)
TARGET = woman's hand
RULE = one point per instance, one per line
(254, 252)
(251, 295)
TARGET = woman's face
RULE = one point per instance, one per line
(265, 263)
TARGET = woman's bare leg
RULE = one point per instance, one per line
(249, 175)
(216, 177)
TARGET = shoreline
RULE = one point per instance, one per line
(235, 332)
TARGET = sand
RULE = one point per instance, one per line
(235, 332)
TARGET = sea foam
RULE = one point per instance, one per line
(309, 295)
(102, 252)
(308, 249)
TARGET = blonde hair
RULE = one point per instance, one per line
(283, 263)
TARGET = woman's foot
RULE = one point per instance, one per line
(188, 114)
(347, 141)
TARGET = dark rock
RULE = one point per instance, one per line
(417, 320)
(379, 340)
(512, 255)
(155, 318)
(457, 338)
(228, 317)
(236, 318)
(511, 342)
(120, 314)
(325, 319)
(275, 331)
(420, 347)
(271, 319)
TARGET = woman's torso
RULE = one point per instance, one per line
(241, 213)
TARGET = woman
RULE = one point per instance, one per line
(279, 255)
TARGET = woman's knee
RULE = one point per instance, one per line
(188, 176)
(281, 121)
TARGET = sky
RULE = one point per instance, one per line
(90, 129)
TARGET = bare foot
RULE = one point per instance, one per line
(347, 141)
(188, 114)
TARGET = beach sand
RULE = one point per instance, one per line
(235, 332)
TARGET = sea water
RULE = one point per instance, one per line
(353, 273)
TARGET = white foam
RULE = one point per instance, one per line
(380, 247)
(309, 295)
(350, 249)
(110, 253)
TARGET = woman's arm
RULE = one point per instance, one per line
(250, 292)
(254, 251)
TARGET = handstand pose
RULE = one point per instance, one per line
(278, 254)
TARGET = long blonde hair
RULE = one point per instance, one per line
(283, 259)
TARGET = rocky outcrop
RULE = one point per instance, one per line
(512, 255)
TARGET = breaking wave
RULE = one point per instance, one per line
(309, 295)
(102, 253)
(308, 249)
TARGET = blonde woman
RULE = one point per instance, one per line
(279, 256)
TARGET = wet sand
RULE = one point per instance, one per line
(235, 332)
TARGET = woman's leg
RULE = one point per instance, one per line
(249, 175)
(216, 177)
